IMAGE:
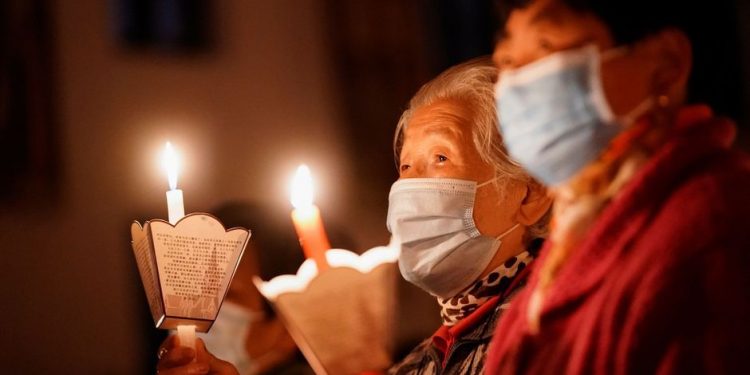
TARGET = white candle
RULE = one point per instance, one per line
(186, 335)
(175, 205)
(176, 209)
(306, 219)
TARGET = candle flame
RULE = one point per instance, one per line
(302, 188)
(171, 164)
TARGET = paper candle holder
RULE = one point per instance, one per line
(186, 268)
(342, 319)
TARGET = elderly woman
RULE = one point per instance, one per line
(467, 218)
(646, 270)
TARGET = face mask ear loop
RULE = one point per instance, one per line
(507, 232)
(613, 53)
(640, 110)
(642, 107)
(491, 180)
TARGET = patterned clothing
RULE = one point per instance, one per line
(494, 284)
(461, 347)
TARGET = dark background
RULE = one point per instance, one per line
(245, 90)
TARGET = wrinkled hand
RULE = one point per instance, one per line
(178, 360)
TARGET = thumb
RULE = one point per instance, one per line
(216, 365)
(201, 353)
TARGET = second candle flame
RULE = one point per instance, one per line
(302, 188)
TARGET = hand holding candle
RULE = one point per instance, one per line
(175, 205)
(306, 218)
(176, 210)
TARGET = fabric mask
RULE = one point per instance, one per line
(226, 339)
(432, 220)
(554, 116)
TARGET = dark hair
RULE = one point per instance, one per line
(627, 20)
(711, 27)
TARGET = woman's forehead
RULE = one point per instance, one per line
(445, 112)
(451, 121)
(539, 14)
(430, 129)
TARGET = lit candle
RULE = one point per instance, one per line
(174, 195)
(306, 218)
(176, 209)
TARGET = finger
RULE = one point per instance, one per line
(217, 366)
(165, 346)
(191, 369)
(222, 367)
(177, 356)
(168, 343)
(201, 353)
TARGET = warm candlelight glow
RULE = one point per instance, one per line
(302, 188)
(306, 218)
(171, 163)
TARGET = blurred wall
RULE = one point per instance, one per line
(243, 115)
(743, 33)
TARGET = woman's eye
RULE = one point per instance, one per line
(442, 158)
(404, 167)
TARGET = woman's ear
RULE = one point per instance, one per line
(674, 54)
(536, 203)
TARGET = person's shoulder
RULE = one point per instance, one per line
(704, 212)
(707, 212)
(717, 188)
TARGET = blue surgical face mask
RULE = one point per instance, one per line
(554, 116)
(442, 251)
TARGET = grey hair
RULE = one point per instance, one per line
(473, 84)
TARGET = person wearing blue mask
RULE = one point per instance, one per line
(646, 267)
(467, 218)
